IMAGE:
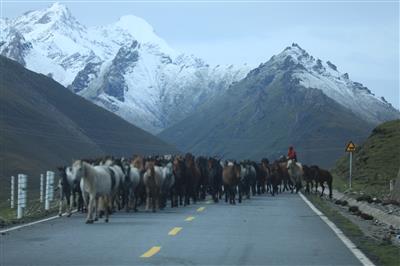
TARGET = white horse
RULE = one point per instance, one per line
(167, 184)
(295, 171)
(96, 182)
(133, 181)
(152, 180)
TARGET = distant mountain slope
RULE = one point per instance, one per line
(375, 162)
(124, 67)
(293, 99)
(43, 125)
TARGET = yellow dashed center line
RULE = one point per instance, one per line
(175, 231)
(189, 219)
(151, 252)
(201, 209)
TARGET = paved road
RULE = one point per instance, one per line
(265, 230)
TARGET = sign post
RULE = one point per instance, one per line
(350, 148)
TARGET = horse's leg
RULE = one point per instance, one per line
(89, 219)
(135, 199)
(106, 204)
(240, 191)
(128, 199)
(330, 188)
(80, 202)
(227, 194)
(60, 203)
(147, 198)
(71, 203)
(156, 198)
(234, 195)
(97, 208)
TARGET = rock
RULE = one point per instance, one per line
(366, 198)
(366, 216)
(353, 209)
(338, 202)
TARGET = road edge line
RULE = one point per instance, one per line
(339, 233)
(33, 223)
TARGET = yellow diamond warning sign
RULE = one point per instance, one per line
(350, 147)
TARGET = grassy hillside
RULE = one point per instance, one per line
(375, 162)
(44, 125)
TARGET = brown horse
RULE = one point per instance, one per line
(214, 178)
(308, 177)
(273, 176)
(179, 170)
(152, 180)
(321, 176)
(201, 164)
(193, 178)
(231, 179)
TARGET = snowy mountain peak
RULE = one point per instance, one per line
(55, 14)
(141, 31)
(312, 73)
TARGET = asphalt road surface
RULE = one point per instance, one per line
(264, 230)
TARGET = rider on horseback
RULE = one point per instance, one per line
(292, 154)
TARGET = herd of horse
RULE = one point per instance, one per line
(104, 185)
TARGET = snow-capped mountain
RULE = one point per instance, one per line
(314, 73)
(292, 99)
(124, 67)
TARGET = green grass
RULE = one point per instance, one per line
(375, 162)
(377, 251)
(34, 211)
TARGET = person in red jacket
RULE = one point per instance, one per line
(292, 154)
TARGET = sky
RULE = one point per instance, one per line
(359, 37)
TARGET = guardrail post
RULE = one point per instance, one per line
(21, 205)
(41, 188)
(49, 189)
(12, 192)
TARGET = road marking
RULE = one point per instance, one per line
(33, 223)
(151, 252)
(175, 231)
(189, 219)
(350, 245)
(201, 209)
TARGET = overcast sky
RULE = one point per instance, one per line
(361, 38)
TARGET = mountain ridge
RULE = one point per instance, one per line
(272, 108)
(69, 52)
(44, 125)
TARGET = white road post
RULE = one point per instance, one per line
(12, 192)
(21, 205)
(351, 168)
(49, 189)
(41, 188)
